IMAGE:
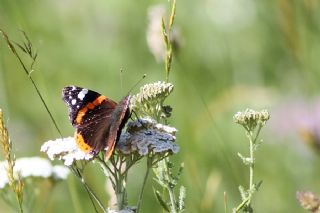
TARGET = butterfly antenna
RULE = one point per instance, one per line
(139, 120)
(121, 79)
(144, 75)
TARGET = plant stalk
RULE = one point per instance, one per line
(149, 165)
(170, 189)
(252, 162)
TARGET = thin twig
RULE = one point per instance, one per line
(88, 189)
(28, 73)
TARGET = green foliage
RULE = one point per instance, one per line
(233, 55)
(252, 121)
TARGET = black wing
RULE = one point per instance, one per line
(91, 113)
(76, 99)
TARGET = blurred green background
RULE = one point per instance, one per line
(233, 54)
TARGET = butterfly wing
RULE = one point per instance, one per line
(119, 118)
(91, 113)
(77, 99)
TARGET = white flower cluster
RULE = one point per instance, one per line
(65, 149)
(152, 92)
(145, 136)
(251, 118)
(33, 167)
(127, 209)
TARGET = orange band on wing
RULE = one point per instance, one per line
(81, 113)
(99, 100)
(82, 144)
(89, 106)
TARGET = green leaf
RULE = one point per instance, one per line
(173, 14)
(164, 32)
(257, 185)
(161, 201)
(21, 47)
(182, 197)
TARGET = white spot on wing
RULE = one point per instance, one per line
(82, 94)
(74, 101)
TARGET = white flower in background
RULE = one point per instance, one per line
(155, 35)
(145, 136)
(65, 149)
(128, 209)
(60, 172)
(3, 176)
(154, 32)
(33, 167)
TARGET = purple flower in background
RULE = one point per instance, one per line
(298, 118)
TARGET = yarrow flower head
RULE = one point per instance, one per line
(145, 136)
(32, 167)
(250, 119)
(149, 101)
(153, 92)
(309, 201)
(65, 149)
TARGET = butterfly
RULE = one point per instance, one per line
(98, 120)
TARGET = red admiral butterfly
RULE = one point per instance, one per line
(98, 119)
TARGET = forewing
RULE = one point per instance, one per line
(91, 113)
(76, 99)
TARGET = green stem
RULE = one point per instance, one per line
(106, 169)
(120, 183)
(20, 205)
(93, 195)
(88, 189)
(28, 72)
(170, 189)
(75, 196)
(252, 163)
(257, 134)
(242, 204)
(172, 200)
(149, 165)
(247, 200)
(120, 193)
